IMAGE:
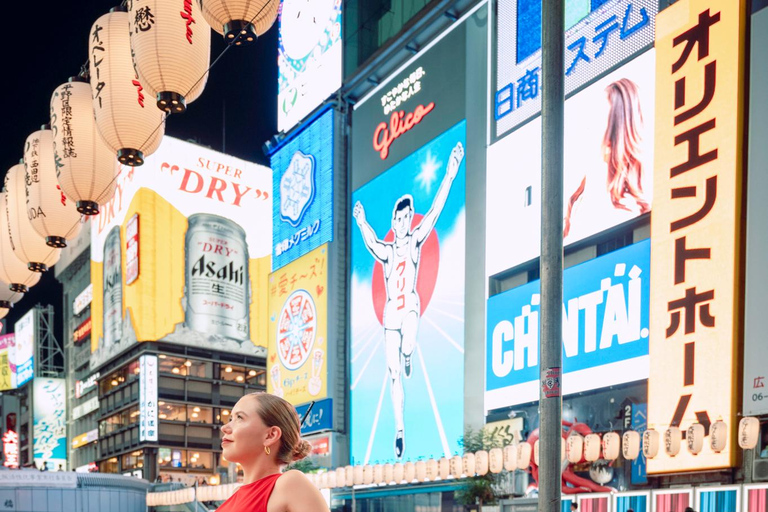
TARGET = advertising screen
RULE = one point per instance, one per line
(605, 329)
(24, 359)
(308, 59)
(407, 306)
(50, 423)
(7, 354)
(302, 192)
(298, 329)
(696, 283)
(608, 171)
(204, 246)
(599, 35)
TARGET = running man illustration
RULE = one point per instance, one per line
(400, 259)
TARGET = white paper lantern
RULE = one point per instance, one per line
(611, 446)
(574, 447)
(324, 480)
(26, 243)
(421, 471)
(378, 474)
(432, 470)
(388, 474)
(562, 451)
(536, 452)
(349, 476)
(672, 440)
(8, 297)
(12, 270)
(171, 50)
(468, 464)
(718, 436)
(444, 468)
(247, 18)
(367, 474)
(409, 472)
(53, 215)
(651, 443)
(591, 447)
(341, 477)
(125, 115)
(510, 457)
(495, 460)
(457, 466)
(630, 445)
(749, 432)
(332, 479)
(358, 475)
(524, 455)
(481, 462)
(694, 438)
(398, 473)
(86, 166)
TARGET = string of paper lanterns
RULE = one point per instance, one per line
(248, 19)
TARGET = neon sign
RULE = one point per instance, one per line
(11, 449)
(399, 123)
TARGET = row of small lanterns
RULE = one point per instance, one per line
(153, 49)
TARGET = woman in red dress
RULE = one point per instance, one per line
(263, 435)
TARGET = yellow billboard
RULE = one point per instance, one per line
(181, 254)
(695, 226)
(298, 329)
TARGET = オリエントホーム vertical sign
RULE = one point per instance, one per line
(696, 223)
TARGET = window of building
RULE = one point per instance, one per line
(133, 460)
(171, 458)
(763, 454)
(172, 365)
(256, 378)
(222, 416)
(200, 460)
(171, 412)
(232, 373)
(197, 414)
(109, 466)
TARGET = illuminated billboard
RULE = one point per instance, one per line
(148, 425)
(7, 355)
(696, 225)
(308, 58)
(599, 35)
(407, 306)
(24, 355)
(203, 247)
(50, 423)
(605, 329)
(607, 175)
(302, 192)
(298, 329)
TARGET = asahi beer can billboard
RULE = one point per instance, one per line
(203, 253)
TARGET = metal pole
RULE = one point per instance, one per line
(551, 263)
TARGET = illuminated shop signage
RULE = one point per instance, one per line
(83, 300)
(11, 449)
(399, 123)
(132, 249)
(86, 438)
(82, 387)
(82, 331)
(86, 407)
(599, 36)
(696, 225)
(605, 329)
(148, 398)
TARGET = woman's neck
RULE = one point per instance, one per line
(258, 469)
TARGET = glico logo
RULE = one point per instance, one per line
(399, 123)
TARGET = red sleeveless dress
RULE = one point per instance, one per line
(252, 497)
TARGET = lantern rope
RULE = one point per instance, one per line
(84, 74)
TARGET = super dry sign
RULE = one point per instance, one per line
(696, 224)
(82, 332)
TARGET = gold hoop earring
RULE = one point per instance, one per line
(267, 450)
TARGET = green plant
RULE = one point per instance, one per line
(479, 490)
(304, 465)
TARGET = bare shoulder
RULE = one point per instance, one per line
(294, 492)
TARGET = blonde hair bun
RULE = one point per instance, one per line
(301, 449)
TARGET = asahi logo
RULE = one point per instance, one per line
(210, 269)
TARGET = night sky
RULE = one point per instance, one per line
(236, 113)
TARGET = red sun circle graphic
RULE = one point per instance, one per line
(429, 263)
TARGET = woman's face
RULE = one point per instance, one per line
(245, 435)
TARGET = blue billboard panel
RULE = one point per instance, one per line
(605, 329)
(50, 423)
(407, 306)
(320, 417)
(302, 192)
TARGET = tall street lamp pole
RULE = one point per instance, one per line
(551, 262)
